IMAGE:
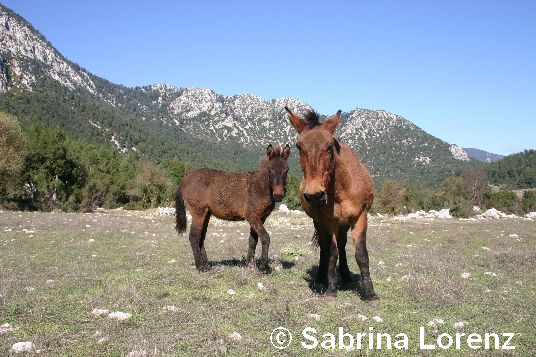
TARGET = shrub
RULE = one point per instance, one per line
(528, 204)
(503, 200)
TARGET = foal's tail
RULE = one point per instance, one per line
(180, 212)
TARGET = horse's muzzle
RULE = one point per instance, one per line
(278, 198)
(317, 199)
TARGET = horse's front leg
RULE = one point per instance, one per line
(329, 253)
(257, 226)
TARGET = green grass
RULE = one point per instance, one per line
(137, 264)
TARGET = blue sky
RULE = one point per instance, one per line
(464, 71)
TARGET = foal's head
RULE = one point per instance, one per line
(317, 148)
(277, 168)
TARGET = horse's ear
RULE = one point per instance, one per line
(286, 152)
(297, 121)
(332, 122)
(270, 151)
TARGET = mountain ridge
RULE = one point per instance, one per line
(140, 118)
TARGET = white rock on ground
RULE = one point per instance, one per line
(531, 215)
(171, 308)
(513, 235)
(231, 292)
(377, 319)
(492, 274)
(5, 328)
(21, 347)
(459, 325)
(166, 211)
(493, 213)
(261, 286)
(314, 316)
(436, 322)
(138, 353)
(443, 214)
(99, 312)
(119, 316)
(362, 317)
(284, 208)
(465, 275)
(235, 336)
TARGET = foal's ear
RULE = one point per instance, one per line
(297, 121)
(270, 151)
(332, 122)
(286, 152)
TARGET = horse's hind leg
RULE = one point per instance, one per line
(343, 263)
(196, 231)
(359, 236)
(204, 258)
(253, 239)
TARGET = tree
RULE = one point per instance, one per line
(292, 193)
(12, 153)
(177, 169)
(150, 186)
(476, 183)
(52, 176)
(391, 196)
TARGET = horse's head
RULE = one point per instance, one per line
(277, 168)
(317, 148)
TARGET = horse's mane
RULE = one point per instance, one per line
(311, 118)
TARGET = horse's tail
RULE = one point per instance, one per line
(180, 212)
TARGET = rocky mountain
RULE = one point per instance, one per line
(39, 84)
(482, 155)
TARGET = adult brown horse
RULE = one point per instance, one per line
(232, 196)
(337, 193)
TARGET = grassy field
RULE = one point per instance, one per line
(55, 268)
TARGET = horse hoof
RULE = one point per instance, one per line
(373, 299)
(263, 266)
(330, 295)
(321, 281)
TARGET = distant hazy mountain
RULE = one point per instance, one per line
(38, 84)
(482, 155)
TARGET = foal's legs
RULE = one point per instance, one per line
(197, 238)
(359, 236)
(343, 263)
(257, 226)
(253, 239)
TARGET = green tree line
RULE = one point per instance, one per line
(42, 169)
